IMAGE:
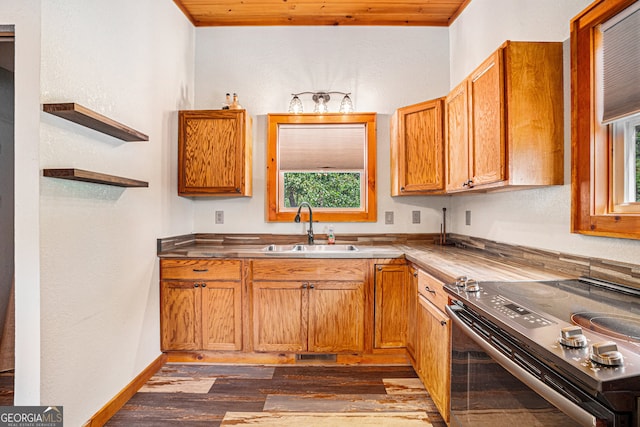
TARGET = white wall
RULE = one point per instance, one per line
(133, 62)
(384, 68)
(25, 15)
(538, 218)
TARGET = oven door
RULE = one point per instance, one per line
(495, 383)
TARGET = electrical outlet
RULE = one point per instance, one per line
(415, 217)
(467, 217)
(388, 217)
(219, 217)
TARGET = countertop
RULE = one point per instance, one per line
(444, 262)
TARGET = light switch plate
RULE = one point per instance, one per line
(219, 217)
(388, 217)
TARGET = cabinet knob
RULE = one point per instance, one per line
(196, 285)
(415, 274)
(443, 322)
(401, 188)
(204, 285)
(379, 268)
(237, 190)
(304, 286)
(312, 286)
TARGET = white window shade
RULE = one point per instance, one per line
(322, 147)
(621, 64)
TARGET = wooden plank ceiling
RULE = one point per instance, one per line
(213, 13)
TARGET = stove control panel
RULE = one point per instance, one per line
(518, 314)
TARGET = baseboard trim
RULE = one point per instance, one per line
(105, 413)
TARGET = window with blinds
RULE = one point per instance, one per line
(322, 164)
(327, 160)
(621, 65)
(620, 70)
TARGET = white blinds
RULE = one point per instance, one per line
(621, 64)
(322, 147)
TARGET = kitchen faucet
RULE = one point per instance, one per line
(310, 230)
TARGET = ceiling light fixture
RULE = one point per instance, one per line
(321, 99)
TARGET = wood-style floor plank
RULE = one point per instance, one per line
(280, 395)
(6, 388)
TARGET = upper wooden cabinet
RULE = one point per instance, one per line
(504, 123)
(214, 153)
(417, 149)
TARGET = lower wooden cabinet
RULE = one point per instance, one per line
(308, 305)
(390, 324)
(412, 310)
(200, 305)
(433, 343)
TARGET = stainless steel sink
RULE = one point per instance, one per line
(311, 248)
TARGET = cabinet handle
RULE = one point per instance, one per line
(401, 188)
(237, 190)
(200, 270)
(426, 288)
(304, 286)
(204, 285)
(443, 322)
(312, 286)
(196, 285)
(415, 274)
(470, 183)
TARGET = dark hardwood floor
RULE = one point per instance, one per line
(6, 388)
(193, 395)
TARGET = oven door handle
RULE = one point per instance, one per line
(552, 396)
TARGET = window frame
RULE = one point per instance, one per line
(275, 214)
(591, 141)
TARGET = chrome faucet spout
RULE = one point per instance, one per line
(297, 219)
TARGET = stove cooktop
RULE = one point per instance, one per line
(538, 314)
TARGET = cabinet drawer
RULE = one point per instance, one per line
(310, 269)
(431, 288)
(200, 269)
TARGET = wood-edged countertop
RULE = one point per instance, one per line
(444, 262)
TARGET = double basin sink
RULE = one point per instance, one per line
(311, 248)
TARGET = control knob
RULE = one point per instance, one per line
(606, 353)
(572, 336)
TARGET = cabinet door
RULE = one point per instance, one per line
(433, 348)
(390, 328)
(457, 138)
(412, 311)
(487, 130)
(222, 315)
(213, 153)
(280, 316)
(336, 316)
(180, 316)
(417, 149)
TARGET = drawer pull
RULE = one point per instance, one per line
(426, 288)
(200, 270)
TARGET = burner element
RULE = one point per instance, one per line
(610, 324)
